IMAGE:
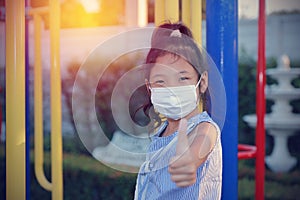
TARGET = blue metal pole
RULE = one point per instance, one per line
(222, 45)
(27, 103)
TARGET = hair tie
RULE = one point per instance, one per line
(176, 33)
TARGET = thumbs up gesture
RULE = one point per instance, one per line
(182, 166)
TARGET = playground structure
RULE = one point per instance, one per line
(17, 149)
(221, 45)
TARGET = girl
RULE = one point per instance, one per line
(185, 155)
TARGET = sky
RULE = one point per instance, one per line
(249, 8)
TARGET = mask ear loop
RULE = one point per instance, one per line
(200, 101)
(198, 83)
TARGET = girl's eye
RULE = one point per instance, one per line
(183, 78)
(159, 82)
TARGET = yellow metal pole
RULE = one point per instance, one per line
(196, 27)
(15, 99)
(186, 12)
(159, 10)
(196, 23)
(142, 13)
(55, 101)
(38, 107)
(172, 10)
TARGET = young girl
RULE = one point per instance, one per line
(185, 155)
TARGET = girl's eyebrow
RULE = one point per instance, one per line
(183, 72)
(157, 75)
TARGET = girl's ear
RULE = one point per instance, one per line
(204, 82)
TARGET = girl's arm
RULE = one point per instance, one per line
(191, 152)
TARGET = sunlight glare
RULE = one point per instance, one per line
(91, 6)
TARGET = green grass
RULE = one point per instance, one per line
(277, 185)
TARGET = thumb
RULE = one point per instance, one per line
(182, 142)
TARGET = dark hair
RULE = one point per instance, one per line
(163, 42)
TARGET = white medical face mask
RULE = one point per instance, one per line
(175, 102)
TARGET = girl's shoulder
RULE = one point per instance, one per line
(202, 120)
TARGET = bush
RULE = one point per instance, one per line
(246, 98)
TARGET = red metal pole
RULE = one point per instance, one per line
(260, 104)
(0, 115)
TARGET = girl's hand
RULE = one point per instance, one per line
(182, 166)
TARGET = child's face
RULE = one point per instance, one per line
(171, 71)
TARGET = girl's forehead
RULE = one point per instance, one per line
(172, 64)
